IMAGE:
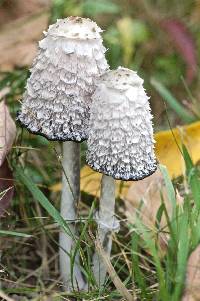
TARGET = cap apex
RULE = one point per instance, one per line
(75, 27)
(121, 79)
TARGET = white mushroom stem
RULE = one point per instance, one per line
(69, 201)
(106, 224)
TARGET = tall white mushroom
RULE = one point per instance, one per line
(56, 105)
(120, 144)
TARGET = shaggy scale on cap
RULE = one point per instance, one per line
(58, 93)
(120, 142)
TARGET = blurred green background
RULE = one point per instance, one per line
(160, 39)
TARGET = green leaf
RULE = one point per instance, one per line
(112, 42)
(173, 102)
(93, 8)
(140, 31)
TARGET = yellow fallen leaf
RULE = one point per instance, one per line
(90, 183)
(56, 187)
(168, 145)
(168, 153)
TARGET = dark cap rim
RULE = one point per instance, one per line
(121, 178)
(23, 125)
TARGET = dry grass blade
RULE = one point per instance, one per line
(192, 289)
(4, 92)
(7, 131)
(6, 188)
(112, 273)
(5, 297)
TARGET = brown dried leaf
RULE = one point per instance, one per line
(5, 297)
(12, 10)
(20, 37)
(7, 131)
(192, 290)
(6, 187)
(149, 192)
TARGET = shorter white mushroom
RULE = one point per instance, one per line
(120, 145)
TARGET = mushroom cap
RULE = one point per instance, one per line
(58, 93)
(120, 142)
(121, 79)
(75, 28)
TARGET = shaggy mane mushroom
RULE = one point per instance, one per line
(120, 145)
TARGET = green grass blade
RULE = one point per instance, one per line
(137, 274)
(169, 187)
(77, 248)
(195, 232)
(150, 244)
(42, 199)
(173, 102)
(172, 226)
(192, 177)
(159, 215)
(13, 233)
(182, 255)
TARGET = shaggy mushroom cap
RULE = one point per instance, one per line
(58, 93)
(120, 142)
